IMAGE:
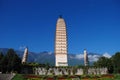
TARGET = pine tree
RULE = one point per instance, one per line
(1, 57)
(11, 62)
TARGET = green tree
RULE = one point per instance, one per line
(1, 57)
(104, 62)
(11, 62)
(116, 63)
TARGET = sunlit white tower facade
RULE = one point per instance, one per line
(85, 57)
(61, 43)
(25, 56)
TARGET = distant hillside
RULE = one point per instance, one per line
(47, 57)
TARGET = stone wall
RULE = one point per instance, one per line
(68, 71)
(6, 76)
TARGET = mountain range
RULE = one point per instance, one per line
(48, 57)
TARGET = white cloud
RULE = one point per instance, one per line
(93, 58)
(49, 53)
(71, 57)
(79, 56)
(107, 55)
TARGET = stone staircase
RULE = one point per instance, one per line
(6, 76)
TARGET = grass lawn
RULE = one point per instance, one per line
(66, 77)
(19, 77)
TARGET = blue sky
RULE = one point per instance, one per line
(91, 24)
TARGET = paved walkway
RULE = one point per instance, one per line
(6, 76)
